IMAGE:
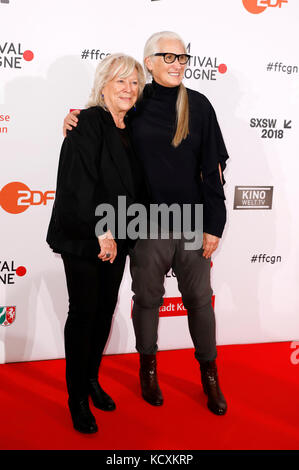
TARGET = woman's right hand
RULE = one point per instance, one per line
(70, 121)
(108, 247)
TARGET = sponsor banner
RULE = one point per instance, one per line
(172, 307)
(16, 197)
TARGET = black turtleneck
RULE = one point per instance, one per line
(168, 169)
(188, 173)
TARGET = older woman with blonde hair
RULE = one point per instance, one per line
(97, 164)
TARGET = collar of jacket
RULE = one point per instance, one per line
(107, 116)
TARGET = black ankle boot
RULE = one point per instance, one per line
(148, 380)
(83, 419)
(209, 379)
(100, 398)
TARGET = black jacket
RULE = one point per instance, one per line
(94, 168)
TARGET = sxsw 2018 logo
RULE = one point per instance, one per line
(16, 197)
(258, 6)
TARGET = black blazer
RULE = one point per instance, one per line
(94, 167)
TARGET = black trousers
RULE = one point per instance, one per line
(93, 287)
(150, 260)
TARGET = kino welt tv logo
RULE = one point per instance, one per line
(253, 197)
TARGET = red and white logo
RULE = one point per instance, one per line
(174, 307)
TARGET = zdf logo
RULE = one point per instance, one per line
(258, 6)
(16, 197)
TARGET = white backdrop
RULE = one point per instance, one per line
(245, 60)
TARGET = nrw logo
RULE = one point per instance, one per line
(8, 272)
(258, 6)
(253, 197)
(16, 197)
(12, 55)
(7, 315)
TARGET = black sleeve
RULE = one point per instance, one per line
(213, 152)
(78, 178)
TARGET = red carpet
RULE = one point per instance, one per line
(259, 381)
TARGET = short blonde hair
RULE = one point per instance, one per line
(113, 65)
(182, 104)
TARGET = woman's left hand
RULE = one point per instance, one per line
(108, 249)
(210, 244)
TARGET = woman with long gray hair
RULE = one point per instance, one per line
(178, 140)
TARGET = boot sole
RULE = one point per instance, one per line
(159, 403)
(85, 431)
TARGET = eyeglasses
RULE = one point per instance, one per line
(169, 57)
